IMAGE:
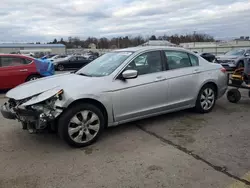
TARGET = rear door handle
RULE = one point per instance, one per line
(23, 70)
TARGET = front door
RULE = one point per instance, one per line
(183, 76)
(144, 95)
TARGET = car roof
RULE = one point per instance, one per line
(143, 48)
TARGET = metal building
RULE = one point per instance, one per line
(158, 43)
(216, 48)
(17, 48)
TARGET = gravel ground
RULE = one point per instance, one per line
(182, 149)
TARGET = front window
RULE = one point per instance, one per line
(149, 62)
(236, 52)
(105, 64)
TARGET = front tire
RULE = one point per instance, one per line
(81, 125)
(206, 99)
(60, 67)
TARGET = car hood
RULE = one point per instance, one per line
(226, 57)
(67, 82)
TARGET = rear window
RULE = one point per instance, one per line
(194, 60)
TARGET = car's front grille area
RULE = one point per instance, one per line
(14, 103)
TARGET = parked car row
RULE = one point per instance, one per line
(71, 62)
(67, 62)
(231, 60)
(120, 86)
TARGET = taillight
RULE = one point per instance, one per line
(223, 70)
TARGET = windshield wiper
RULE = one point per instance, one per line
(82, 74)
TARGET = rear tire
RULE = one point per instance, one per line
(206, 99)
(60, 67)
(81, 125)
(233, 95)
(33, 77)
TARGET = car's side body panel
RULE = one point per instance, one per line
(11, 76)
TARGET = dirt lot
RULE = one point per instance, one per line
(181, 149)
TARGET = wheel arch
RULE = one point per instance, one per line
(93, 102)
(210, 82)
(32, 74)
(239, 61)
(59, 64)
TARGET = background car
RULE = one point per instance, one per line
(233, 59)
(208, 56)
(48, 56)
(17, 69)
(57, 57)
(71, 62)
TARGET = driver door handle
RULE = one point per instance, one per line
(197, 70)
(160, 78)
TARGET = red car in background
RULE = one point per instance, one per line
(16, 69)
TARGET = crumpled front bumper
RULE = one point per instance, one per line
(36, 120)
(7, 113)
(18, 112)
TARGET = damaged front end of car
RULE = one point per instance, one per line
(36, 113)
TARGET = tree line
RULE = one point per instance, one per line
(124, 42)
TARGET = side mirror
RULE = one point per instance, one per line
(247, 54)
(130, 74)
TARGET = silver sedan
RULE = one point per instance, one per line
(120, 86)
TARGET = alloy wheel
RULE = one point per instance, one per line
(84, 126)
(207, 99)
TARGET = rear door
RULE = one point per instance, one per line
(14, 71)
(183, 74)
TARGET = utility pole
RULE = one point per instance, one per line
(194, 37)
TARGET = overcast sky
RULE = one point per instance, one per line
(43, 20)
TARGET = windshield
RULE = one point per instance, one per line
(236, 52)
(105, 64)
